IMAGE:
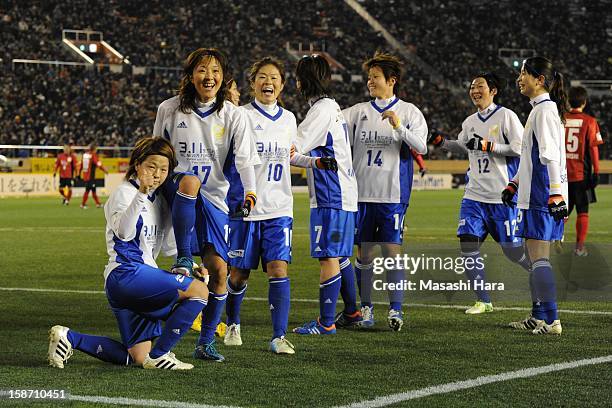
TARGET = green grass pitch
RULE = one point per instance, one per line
(45, 245)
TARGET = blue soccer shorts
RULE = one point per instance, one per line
(380, 222)
(480, 219)
(140, 297)
(268, 240)
(540, 225)
(332, 233)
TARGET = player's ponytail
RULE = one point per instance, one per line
(559, 95)
(553, 81)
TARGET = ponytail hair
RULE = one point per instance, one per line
(553, 81)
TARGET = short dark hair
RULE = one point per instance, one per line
(149, 146)
(257, 65)
(493, 81)
(314, 74)
(187, 91)
(577, 96)
(390, 65)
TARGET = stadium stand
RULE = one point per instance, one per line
(46, 105)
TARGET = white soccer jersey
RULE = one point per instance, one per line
(543, 142)
(324, 133)
(274, 130)
(138, 227)
(208, 143)
(489, 173)
(381, 155)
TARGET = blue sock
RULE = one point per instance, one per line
(347, 288)
(545, 289)
(102, 348)
(536, 307)
(396, 297)
(279, 298)
(211, 316)
(328, 296)
(177, 325)
(234, 300)
(364, 281)
(474, 270)
(517, 254)
(183, 220)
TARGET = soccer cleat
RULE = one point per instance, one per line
(314, 327)
(83, 207)
(167, 361)
(221, 329)
(281, 345)
(344, 320)
(480, 307)
(367, 316)
(183, 266)
(98, 205)
(232, 335)
(197, 323)
(208, 352)
(529, 323)
(545, 328)
(395, 318)
(581, 252)
(60, 349)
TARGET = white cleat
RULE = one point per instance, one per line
(395, 319)
(232, 335)
(367, 314)
(544, 328)
(529, 323)
(166, 362)
(581, 252)
(60, 349)
(480, 307)
(281, 345)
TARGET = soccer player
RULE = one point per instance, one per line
(211, 141)
(541, 182)
(266, 233)
(382, 133)
(333, 189)
(582, 138)
(87, 171)
(140, 294)
(66, 163)
(233, 94)
(492, 136)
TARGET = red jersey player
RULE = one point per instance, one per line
(87, 171)
(582, 137)
(67, 164)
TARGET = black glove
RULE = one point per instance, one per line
(478, 143)
(247, 206)
(437, 138)
(423, 172)
(327, 163)
(594, 182)
(508, 194)
(557, 207)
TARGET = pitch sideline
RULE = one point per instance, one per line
(299, 300)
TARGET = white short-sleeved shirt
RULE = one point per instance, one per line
(274, 129)
(382, 162)
(208, 143)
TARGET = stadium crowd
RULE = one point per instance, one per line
(47, 106)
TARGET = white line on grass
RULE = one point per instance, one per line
(298, 300)
(475, 382)
(142, 402)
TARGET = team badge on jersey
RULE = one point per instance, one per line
(217, 132)
(494, 131)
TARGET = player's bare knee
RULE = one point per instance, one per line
(197, 289)
(239, 277)
(276, 269)
(189, 185)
